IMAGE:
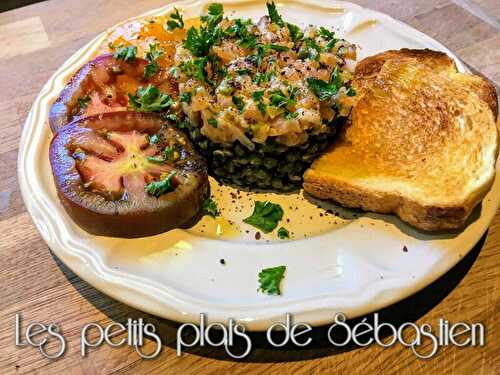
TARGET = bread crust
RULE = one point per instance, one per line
(342, 184)
(424, 217)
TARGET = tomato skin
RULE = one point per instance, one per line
(140, 214)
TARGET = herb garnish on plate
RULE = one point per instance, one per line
(150, 99)
(265, 216)
(158, 188)
(270, 278)
(210, 207)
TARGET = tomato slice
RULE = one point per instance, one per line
(101, 86)
(110, 175)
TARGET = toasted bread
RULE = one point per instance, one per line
(422, 142)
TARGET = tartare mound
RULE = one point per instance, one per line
(262, 99)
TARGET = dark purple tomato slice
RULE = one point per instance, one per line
(102, 85)
(127, 174)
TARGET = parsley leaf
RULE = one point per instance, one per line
(329, 36)
(238, 102)
(270, 278)
(151, 56)
(274, 16)
(84, 102)
(158, 188)
(167, 154)
(295, 32)
(196, 68)
(151, 69)
(150, 99)
(283, 233)
(291, 115)
(242, 71)
(325, 90)
(213, 122)
(154, 52)
(169, 116)
(257, 96)
(154, 139)
(276, 47)
(325, 33)
(214, 15)
(185, 97)
(198, 41)
(126, 53)
(240, 31)
(262, 77)
(209, 207)
(262, 50)
(313, 49)
(265, 216)
(176, 21)
(280, 100)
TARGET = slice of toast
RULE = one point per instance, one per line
(422, 142)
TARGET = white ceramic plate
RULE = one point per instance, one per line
(352, 265)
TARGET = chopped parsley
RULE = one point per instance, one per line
(280, 100)
(291, 115)
(265, 216)
(196, 69)
(158, 188)
(176, 21)
(238, 102)
(84, 102)
(213, 122)
(295, 33)
(154, 52)
(151, 69)
(167, 154)
(239, 30)
(214, 15)
(257, 96)
(283, 233)
(262, 49)
(274, 16)
(149, 99)
(312, 50)
(325, 90)
(242, 72)
(169, 116)
(154, 139)
(329, 36)
(275, 47)
(209, 207)
(263, 77)
(185, 97)
(199, 42)
(127, 53)
(270, 279)
(151, 56)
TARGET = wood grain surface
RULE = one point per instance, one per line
(35, 41)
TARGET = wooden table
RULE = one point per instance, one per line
(37, 39)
